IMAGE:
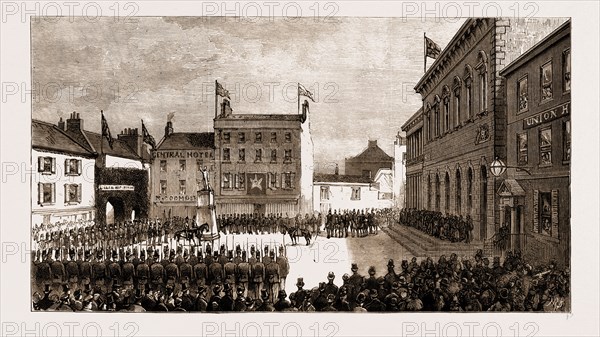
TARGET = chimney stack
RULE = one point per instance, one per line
(337, 170)
(135, 142)
(372, 143)
(74, 124)
(169, 129)
(61, 124)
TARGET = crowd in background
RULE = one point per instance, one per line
(454, 228)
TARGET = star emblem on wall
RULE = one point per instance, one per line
(256, 182)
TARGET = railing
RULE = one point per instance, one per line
(498, 244)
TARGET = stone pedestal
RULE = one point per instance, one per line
(205, 214)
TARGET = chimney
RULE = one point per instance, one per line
(372, 143)
(74, 124)
(61, 124)
(337, 170)
(169, 129)
(132, 139)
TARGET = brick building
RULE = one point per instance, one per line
(368, 162)
(179, 158)
(414, 160)
(535, 200)
(264, 162)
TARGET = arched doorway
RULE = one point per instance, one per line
(483, 203)
(437, 192)
(447, 193)
(458, 197)
(115, 211)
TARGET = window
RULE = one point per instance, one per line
(469, 191)
(273, 137)
(566, 141)
(287, 156)
(288, 137)
(428, 192)
(242, 155)
(258, 137)
(437, 192)
(226, 182)
(546, 147)
(457, 116)
(522, 148)
(288, 180)
(72, 193)
(458, 201)
(226, 137)
(241, 181)
(273, 156)
(46, 193)
(163, 187)
(366, 173)
(241, 137)
(546, 81)
(72, 167)
(436, 115)
(447, 193)
(258, 157)
(566, 66)
(226, 155)
(522, 95)
(324, 192)
(483, 81)
(47, 165)
(182, 190)
(446, 108)
(545, 213)
(182, 165)
(355, 193)
(272, 180)
(163, 166)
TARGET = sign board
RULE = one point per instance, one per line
(182, 154)
(176, 198)
(547, 116)
(115, 187)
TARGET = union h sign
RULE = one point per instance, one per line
(547, 116)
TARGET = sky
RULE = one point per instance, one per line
(361, 70)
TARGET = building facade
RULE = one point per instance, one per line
(121, 173)
(535, 195)
(264, 163)
(368, 162)
(63, 188)
(345, 192)
(399, 171)
(414, 160)
(177, 165)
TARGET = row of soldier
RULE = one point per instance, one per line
(454, 228)
(450, 284)
(357, 223)
(176, 269)
(240, 223)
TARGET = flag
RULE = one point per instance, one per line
(106, 131)
(302, 91)
(222, 91)
(147, 137)
(433, 50)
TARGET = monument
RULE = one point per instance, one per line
(205, 210)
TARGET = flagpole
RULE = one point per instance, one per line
(298, 93)
(216, 99)
(424, 53)
(101, 137)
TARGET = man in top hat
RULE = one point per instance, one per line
(300, 295)
(391, 275)
(373, 304)
(330, 287)
(282, 303)
(266, 305)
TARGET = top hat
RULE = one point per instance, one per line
(390, 263)
(300, 282)
(331, 275)
(354, 267)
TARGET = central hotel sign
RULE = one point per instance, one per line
(547, 116)
(181, 154)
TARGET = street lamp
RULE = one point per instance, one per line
(498, 167)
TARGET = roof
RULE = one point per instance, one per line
(510, 187)
(46, 136)
(372, 154)
(274, 117)
(119, 148)
(560, 32)
(340, 178)
(187, 141)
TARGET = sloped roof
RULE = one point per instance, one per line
(119, 149)
(510, 187)
(46, 136)
(273, 117)
(188, 140)
(340, 178)
(372, 154)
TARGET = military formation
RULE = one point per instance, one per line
(226, 282)
(454, 228)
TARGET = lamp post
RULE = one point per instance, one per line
(498, 167)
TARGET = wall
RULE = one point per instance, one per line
(60, 211)
(340, 197)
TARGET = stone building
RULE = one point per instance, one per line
(179, 158)
(263, 162)
(368, 162)
(535, 197)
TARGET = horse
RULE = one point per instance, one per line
(191, 233)
(295, 233)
